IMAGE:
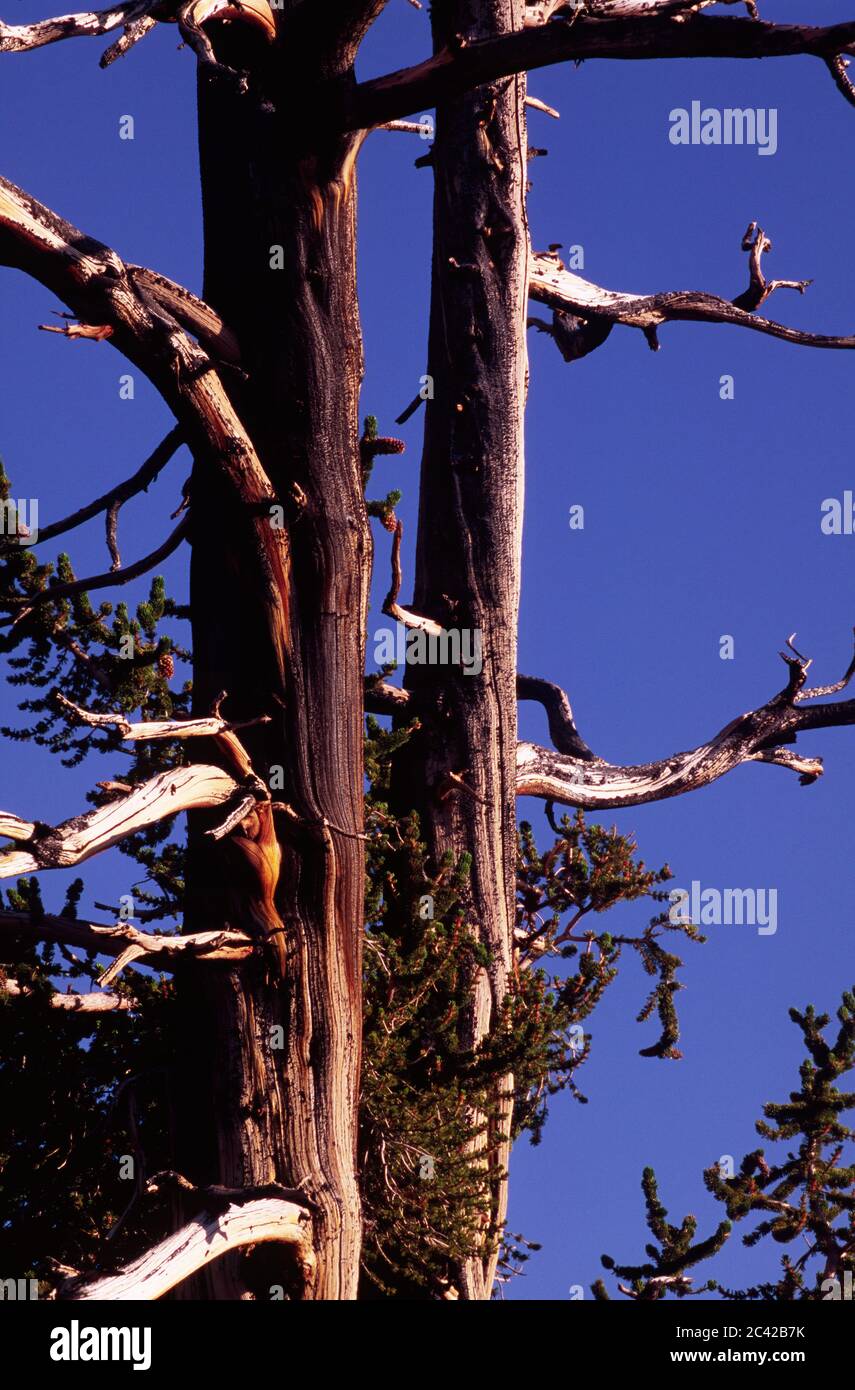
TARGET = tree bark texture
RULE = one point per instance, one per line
(470, 519)
(279, 194)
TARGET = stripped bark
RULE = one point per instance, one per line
(128, 943)
(246, 1112)
(201, 1242)
(78, 839)
(584, 313)
(470, 519)
(73, 1003)
(577, 777)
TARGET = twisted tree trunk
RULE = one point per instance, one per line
(280, 268)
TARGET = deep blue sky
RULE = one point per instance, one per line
(702, 518)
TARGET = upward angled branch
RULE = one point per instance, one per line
(576, 780)
(639, 36)
(228, 1225)
(584, 314)
(22, 604)
(122, 492)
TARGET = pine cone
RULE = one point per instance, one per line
(166, 665)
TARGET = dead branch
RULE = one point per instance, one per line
(562, 725)
(158, 951)
(13, 828)
(541, 11)
(539, 105)
(131, 34)
(122, 492)
(391, 606)
(584, 313)
(192, 313)
(96, 333)
(407, 127)
(202, 726)
(63, 846)
(22, 604)
(646, 33)
(383, 698)
(18, 38)
(592, 783)
(99, 288)
(196, 1245)
(74, 1003)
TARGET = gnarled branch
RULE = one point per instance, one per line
(584, 313)
(62, 846)
(592, 783)
(619, 34)
(18, 38)
(197, 1244)
(74, 1003)
(127, 942)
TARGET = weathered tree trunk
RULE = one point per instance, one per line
(278, 202)
(470, 519)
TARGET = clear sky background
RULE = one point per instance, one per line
(702, 518)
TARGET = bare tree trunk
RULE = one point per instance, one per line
(280, 267)
(470, 520)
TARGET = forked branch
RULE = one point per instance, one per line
(759, 736)
(584, 313)
(127, 943)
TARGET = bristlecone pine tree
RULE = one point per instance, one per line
(806, 1196)
(329, 1076)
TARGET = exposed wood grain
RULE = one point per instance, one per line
(198, 1244)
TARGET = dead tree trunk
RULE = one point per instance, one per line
(470, 520)
(280, 267)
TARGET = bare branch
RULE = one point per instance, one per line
(17, 38)
(753, 737)
(74, 1003)
(99, 288)
(122, 492)
(96, 333)
(197, 1244)
(160, 952)
(407, 127)
(61, 847)
(132, 33)
(562, 725)
(539, 105)
(390, 604)
(623, 36)
(25, 603)
(584, 313)
(13, 828)
(541, 11)
(383, 698)
(202, 726)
